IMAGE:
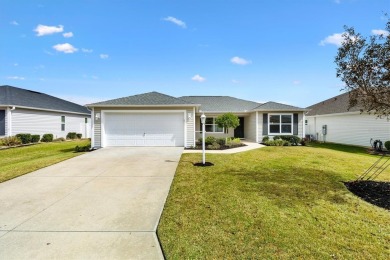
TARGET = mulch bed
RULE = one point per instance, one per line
(374, 192)
(223, 147)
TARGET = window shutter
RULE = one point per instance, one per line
(265, 124)
(295, 126)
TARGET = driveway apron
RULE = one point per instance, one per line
(103, 205)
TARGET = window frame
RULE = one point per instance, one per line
(281, 123)
(214, 126)
(63, 123)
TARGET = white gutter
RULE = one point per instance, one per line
(50, 110)
(174, 105)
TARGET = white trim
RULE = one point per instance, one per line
(93, 127)
(51, 110)
(127, 106)
(257, 126)
(338, 114)
(194, 121)
(280, 114)
(9, 122)
(103, 114)
(303, 125)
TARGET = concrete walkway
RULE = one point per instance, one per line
(102, 205)
(249, 146)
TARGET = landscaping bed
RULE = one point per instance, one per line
(212, 143)
(374, 192)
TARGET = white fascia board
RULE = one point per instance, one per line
(144, 106)
(337, 114)
(50, 110)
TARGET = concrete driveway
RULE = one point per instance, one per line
(102, 205)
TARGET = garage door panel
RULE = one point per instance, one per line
(144, 129)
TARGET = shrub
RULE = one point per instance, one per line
(277, 142)
(85, 148)
(276, 137)
(79, 136)
(221, 141)
(265, 139)
(47, 138)
(387, 145)
(214, 146)
(35, 138)
(71, 135)
(24, 138)
(11, 141)
(210, 140)
(60, 139)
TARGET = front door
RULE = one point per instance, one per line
(239, 131)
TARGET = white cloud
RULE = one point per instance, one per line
(86, 50)
(296, 82)
(198, 78)
(65, 48)
(42, 30)
(16, 64)
(104, 56)
(68, 35)
(16, 78)
(336, 39)
(380, 32)
(14, 23)
(176, 21)
(337, 1)
(234, 81)
(240, 61)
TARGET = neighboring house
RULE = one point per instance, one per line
(155, 119)
(26, 111)
(343, 125)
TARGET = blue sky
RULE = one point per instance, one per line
(87, 51)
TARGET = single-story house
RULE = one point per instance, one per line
(27, 111)
(155, 119)
(332, 121)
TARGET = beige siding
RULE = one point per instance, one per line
(198, 129)
(250, 127)
(260, 126)
(42, 122)
(349, 128)
(189, 122)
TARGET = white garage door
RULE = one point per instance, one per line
(144, 129)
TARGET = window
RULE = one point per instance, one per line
(86, 120)
(211, 126)
(280, 124)
(306, 122)
(62, 123)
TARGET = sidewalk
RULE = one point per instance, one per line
(249, 146)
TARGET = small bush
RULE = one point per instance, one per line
(85, 148)
(24, 138)
(276, 137)
(221, 141)
(265, 139)
(11, 141)
(210, 140)
(387, 145)
(35, 138)
(277, 142)
(61, 139)
(47, 138)
(71, 135)
(214, 146)
(79, 136)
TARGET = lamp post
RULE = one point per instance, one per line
(203, 120)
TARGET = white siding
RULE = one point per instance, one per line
(250, 127)
(190, 127)
(349, 128)
(45, 122)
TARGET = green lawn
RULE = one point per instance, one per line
(18, 161)
(271, 203)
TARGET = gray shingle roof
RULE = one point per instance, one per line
(274, 106)
(337, 104)
(146, 99)
(13, 96)
(221, 103)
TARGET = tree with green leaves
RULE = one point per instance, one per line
(363, 64)
(228, 120)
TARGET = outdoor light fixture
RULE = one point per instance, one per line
(97, 116)
(203, 121)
